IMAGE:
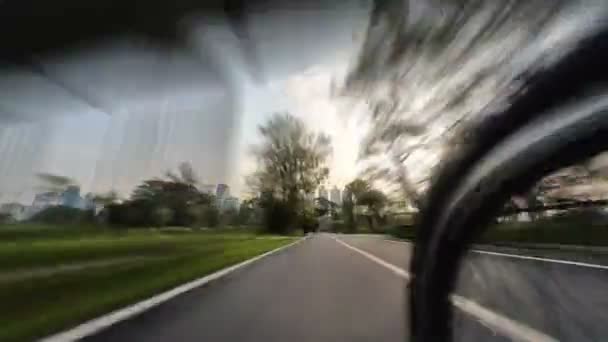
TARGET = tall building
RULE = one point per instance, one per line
(71, 197)
(335, 195)
(323, 192)
(230, 203)
(223, 191)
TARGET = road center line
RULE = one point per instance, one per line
(525, 257)
(493, 320)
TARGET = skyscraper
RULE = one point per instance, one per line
(222, 191)
(230, 203)
(71, 197)
(335, 195)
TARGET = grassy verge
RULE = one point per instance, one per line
(154, 260)
(538, 232)
(547, 233)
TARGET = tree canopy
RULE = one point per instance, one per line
(291, 162)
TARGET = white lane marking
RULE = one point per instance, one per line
(499, 323)
(97, 324)
(558, 261)
(398, 271)
(525, 257)
(495, 321)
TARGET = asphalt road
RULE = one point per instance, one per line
(565, 301)
(321, 290)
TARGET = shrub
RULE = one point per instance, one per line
(278, 216)
(6, 218)
(402, 232)
(339, 227)
(64, 215)
(210, 216)
(308, 221)
(162, 216)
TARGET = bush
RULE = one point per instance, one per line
(550, 230)
(402, 232)
(210, 216)
(308, 222)
(64, 215)
(132, 213)
(162, 216)
(278, 216)
(339, 226)
(6, 218)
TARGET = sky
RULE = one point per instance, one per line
(117, 112)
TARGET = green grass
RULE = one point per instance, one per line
(548, 232)
(558, 230)
(35, 307)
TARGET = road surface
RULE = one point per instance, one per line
(324, 290)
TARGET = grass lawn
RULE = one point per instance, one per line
(544, 231)
(96, 270)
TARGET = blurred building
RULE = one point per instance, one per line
(323, 192)
(222, 191)
(71, 197)
(335, 195)
(89, 203)
(230, 203)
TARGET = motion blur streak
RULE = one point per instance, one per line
(429, 68)
(128, 107)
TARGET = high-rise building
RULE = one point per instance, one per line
(223, 191)
(335, 195)
(71, 197)
(230, 203)
(323, 192)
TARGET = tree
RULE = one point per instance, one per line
(186, 175)
(357, 188)
(291, 163)
(6, 218)
(375, 201)
(174, 200)
(107, 198)
(161, 216)
(54, 183)
(246, 211)
(352, 193)
(348, 211)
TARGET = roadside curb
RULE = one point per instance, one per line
(98, 324)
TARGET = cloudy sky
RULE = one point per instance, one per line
(116, 112)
